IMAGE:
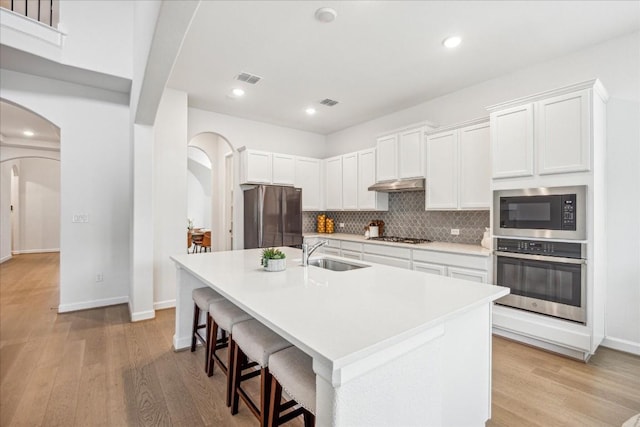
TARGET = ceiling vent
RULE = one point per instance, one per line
(328, 102)
(249, 78)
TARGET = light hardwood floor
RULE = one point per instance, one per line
(94, 367)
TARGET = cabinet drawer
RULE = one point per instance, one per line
(394, 262)
(331, 251)
(465, 274)
(469, 261)
(352, 246)
(424, 267)
(388, 251)
(352, 254)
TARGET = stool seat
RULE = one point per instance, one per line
(293, 369)
(202, 297)
(226, 314)
(257, 341)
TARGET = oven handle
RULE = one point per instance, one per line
(561, 260)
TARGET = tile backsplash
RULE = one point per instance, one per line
(407, 218)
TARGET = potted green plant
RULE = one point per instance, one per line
(273, 259)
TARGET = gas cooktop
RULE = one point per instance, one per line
(397, 239)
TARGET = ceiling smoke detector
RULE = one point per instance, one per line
(326, 14)
(248, 77)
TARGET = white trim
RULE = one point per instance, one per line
(35, 251)
(142, 315)
(181, 344)
(622, 345)
(31, 28)
(161, 305)
(65, 308)
(7, 258)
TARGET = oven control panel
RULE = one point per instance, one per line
(541, 247)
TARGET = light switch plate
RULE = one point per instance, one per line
(80, 217)
(455, 231)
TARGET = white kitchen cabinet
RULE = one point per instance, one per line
(369, 200)
(562, 133)
(386, 158)
(351, 254)
(389, 255)
(458, 167)
(333, 183)
(442, 171)
(255, 166)
(308, 176)
(350, 181)
(283, 169)
(468, 274)
(424, 267)
(512, 141)
(410, 156)
(474, 173)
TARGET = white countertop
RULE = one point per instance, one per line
(458, 248)
(339, 317)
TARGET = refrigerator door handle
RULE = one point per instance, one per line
(260, 214)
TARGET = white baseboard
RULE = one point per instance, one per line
(35, 251)
(622, 345)
(6, 258)
(181, 344)
(161, 305)
(65, 308)
(143, 315)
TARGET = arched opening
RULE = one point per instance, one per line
(210, 187)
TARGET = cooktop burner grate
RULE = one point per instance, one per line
(397, 239)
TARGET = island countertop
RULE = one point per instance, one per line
(337, 316)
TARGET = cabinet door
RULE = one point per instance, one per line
(350, 181)
(563, 133)
(440, 270)
(410, 159)
(283, 170)
(334, 183)
(466, 274)
(256, 167)
(370, 200)
(512, 142)
(308, 177)
(386, 158)
(442, 171)
(475, 167)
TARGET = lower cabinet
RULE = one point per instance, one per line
(424, 267)
(458, 266)
(468, 274)
(351, 254)
(387, 255)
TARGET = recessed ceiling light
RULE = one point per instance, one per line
(28, 132)
(310, 111)
(326, 14)
(451, 42)
(238, 92)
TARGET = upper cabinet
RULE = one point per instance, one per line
(548, 133)
(369, 200)
(333, 183)
(458, 167)
(262, 167)
(350, 181)
(400, 154)
(308, 173)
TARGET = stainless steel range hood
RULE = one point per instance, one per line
(399, 186)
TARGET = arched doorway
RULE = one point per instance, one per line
(210, 187)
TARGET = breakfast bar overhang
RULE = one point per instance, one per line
(389, 346)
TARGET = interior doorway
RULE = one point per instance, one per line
(210, 187)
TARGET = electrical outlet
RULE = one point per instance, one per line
(99, 277)
(341, 224)
(455, 231)
(80, 217)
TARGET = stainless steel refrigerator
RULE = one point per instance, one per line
(272, 216)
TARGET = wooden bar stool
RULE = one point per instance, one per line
(223, 315)
(255, 342)
(292, 370)
(202, 298)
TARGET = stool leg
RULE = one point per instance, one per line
(196, 317)
(208, 344)
(309, 419)
(231, 352)
(274, 403)
(213, 339)
(265, 394)
(237, 372)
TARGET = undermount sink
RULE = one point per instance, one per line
(334, 264)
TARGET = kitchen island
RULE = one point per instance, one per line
(389, 346)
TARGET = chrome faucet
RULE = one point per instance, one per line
(308, 250)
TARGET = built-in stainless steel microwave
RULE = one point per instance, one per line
(552, 212)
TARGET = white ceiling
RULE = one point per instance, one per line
(377, 57)
(15, 120)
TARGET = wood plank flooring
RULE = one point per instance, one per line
(95, 368)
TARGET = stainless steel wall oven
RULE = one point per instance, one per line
(544, 276)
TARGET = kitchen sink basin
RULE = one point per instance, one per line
(334, 264)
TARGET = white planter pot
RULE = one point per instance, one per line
(276, 264)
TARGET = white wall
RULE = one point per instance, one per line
(199, 187)
(37, 207)
(5, 209)
(169, 193)
(617, 64)
(94, 179)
